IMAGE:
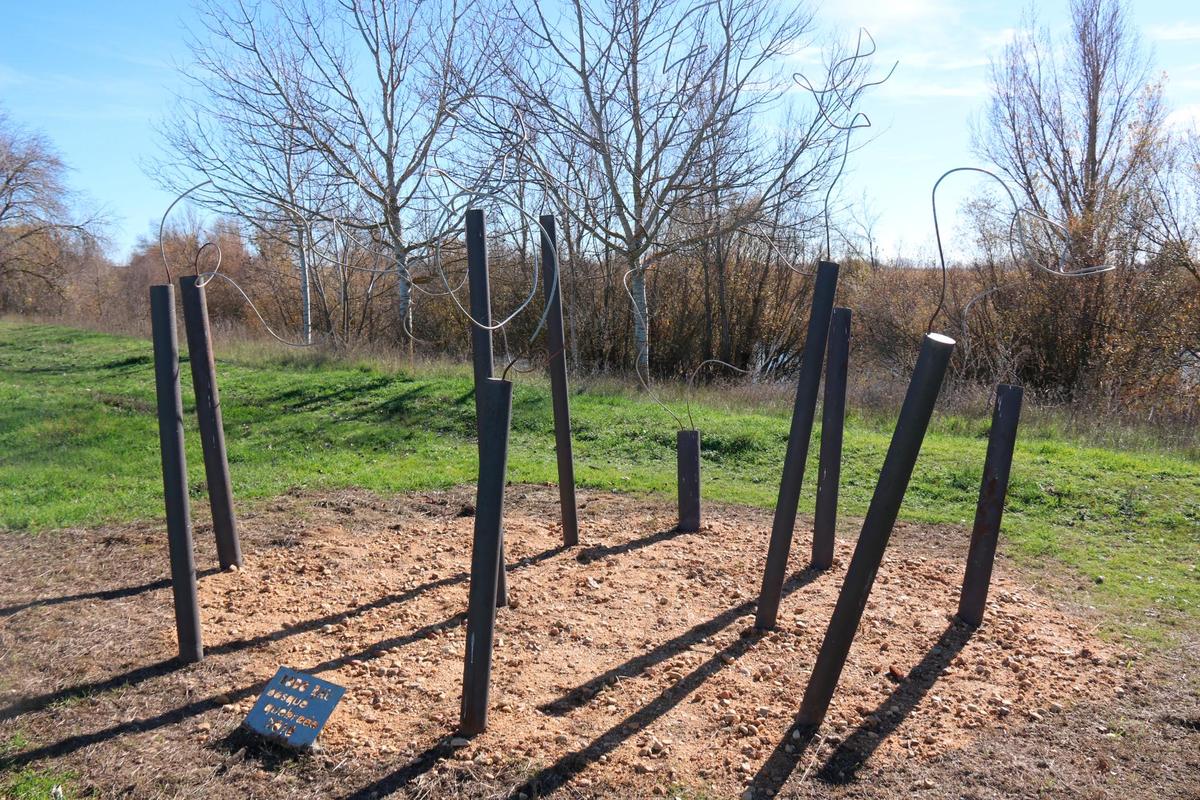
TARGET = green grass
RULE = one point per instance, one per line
(79, 446)
(31, 784)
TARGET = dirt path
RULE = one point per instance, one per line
(625, 667)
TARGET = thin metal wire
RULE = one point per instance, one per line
(1015, 230)
(254, 308)
(162, 250)
(691, 383)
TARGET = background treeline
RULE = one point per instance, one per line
(336, 152)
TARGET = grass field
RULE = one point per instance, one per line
(78, 447)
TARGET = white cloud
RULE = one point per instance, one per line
(1185, 118)
(1179, 32)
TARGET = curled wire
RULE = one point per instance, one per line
(1016, 231)
(691, 382)
(196, 259)
(162, 223)
(858, 121)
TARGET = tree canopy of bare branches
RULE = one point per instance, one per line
(40, 238)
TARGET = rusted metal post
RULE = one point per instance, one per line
(996, 468)
(494, 397)
(174, 469)
(797, 449)
(208, 414)
(556, 342)
(877, 526)
(478, 285)
(833, 418)
(687, 472)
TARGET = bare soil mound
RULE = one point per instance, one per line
(626, 666)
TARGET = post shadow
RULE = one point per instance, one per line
(850, 755)
(99, 594)
(843, 764)
(581, 694)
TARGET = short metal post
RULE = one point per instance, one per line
(174, 468)
(996, 468)
(208, 414)
(833, 418)
(877, 526)
(495, 401)
(687, 471)
(797, 449)
(551, 281)
(479, 287)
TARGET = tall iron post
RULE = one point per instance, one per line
(478, 285)
(557, 366)
(174, 469)
(208, 414)
(494, 397)
(687, 474)
(997, 465)
(803, 412)
(877, 527)
(833, 419)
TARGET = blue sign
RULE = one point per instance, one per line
(293, 708)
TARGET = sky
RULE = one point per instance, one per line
(97, 77)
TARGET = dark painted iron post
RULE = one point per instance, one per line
(174, 469)
(494, 398)
(556, 342)
(877, 526)
(797, 449)
(208, 414)
(996, 468)
(833, 418)
(687, 471)
(479, 287)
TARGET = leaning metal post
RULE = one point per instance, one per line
(996, 468)
(797, 449)
(478, 285)
(494, 397)
(833, 418)
(208, 414)
(877, 526)
(551, 282)
(174, 468)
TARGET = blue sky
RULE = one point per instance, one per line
(96, 76)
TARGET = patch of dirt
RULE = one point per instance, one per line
(624, 667)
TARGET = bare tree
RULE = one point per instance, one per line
(627, 101)
(1076, 125)
(40, 238)
(358, 95)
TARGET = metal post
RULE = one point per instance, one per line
(551, 281)
(174, 468)
(797, 449)
(996, 467)
(833, 418)
(877, 526)
(687, 471)
(208, 414)
(478, 285)
(494, 397)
